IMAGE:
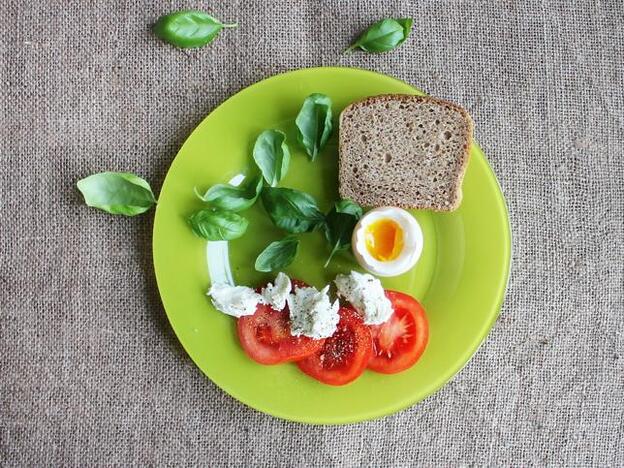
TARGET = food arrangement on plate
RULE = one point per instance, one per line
(396, 152)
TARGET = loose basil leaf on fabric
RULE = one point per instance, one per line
(278, 254)
(117, 193)
(214, 225)
(339, 225)
(292, 210)
(229, 197)
(189, 28)
(384, 35)
(314, 123)
(272, 156)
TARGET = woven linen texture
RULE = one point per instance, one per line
(90, 371)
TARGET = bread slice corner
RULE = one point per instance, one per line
(404, 150)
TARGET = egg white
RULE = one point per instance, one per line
(412, 242)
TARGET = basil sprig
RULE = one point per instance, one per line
(229, 197)
(292, 210)
(384, 35)
(189, 28)
(117, 193)
(278, 254)
(272, 156)
(339, 225)
(214, 224)
(314, 123)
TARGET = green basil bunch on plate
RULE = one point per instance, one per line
(314, 123)
(384, 35)
(272, 156)
(339, 225)
(233, 198)
(278, 254)
(221, 221)
(292, 210)
(189, 28)
(214, 224)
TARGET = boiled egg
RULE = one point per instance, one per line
(387, 241)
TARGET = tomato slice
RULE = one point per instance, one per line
(298, 284)
(399, 342)
(344, 355)
(265, 336)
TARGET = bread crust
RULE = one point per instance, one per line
(462, 160)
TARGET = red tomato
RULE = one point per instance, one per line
(298, 284)
(399, 342)
(265, 336)
(344, 355)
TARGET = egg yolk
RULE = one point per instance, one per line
(384, 239)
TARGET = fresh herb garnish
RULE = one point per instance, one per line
(384, 35)
(189, 28)
(214, 225)
(292, 210)
(229, 197)
(272, 156)
(340, 222)
(117, 193)
(314, 123)
(278, 254)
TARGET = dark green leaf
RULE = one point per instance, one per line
(213, 224)
(340, 222)
(189, 28)
(347, 206)
(278, 254)
(117, 193)
(292, 210)
(314, 123)
(228, 197)
(384, 35)
(272, 156)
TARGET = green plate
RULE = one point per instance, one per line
(460, 278)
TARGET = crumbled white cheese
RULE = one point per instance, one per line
(235, 300)
(275, 295)
(311, 313)
(367, 295)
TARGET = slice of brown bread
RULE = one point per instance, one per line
(403, 150)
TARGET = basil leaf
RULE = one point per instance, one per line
(278, 254)
(384, 35)
(117, 193)
(340, 222)
(229, 197)
(213, 224)
(292, 210)
(347, 206)
(189, 28)
(314, 123)
(272, 156)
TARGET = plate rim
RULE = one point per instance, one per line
(454, 371)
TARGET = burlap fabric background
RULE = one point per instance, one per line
(90, 372)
